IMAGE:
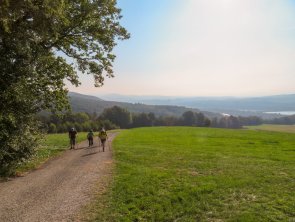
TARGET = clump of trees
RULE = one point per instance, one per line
(190, 118)
(43, 43)
(57, 123)
(227, 122)
(250, 120)
(124, 119)
(286, 120)
(118, 117)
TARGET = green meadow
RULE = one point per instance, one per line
(272, 127)
(199, 174)
(52, 145)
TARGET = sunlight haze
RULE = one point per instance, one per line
(203, 48)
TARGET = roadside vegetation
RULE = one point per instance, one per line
(41, 45)
(52, 145)
(199, 174)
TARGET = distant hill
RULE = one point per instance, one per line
(232, 105)
(91, 104)
(82, 96)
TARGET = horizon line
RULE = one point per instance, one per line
(175, 96)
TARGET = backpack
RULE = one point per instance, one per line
(90, 135)
(102, 135)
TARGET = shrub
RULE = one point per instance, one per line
(19, 139)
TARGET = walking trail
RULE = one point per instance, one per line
(59, 189)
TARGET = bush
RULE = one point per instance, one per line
(108, 125)
(19, 139)
(52, 128)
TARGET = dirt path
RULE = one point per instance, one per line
(59, 189)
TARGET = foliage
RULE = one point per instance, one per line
(40, 41)
(286, 120)
(117, 115)
(51, 146)
(191, 118)
(108, 125)
(200, 174)
(57, 123)
(143, 119)
(227, 122)
(250, 120)
(18, 139)
(168, 121)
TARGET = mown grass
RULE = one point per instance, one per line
(273, 127)
(52, 145)
(200, 174)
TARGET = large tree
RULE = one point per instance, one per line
(117, 115)
(42, 44)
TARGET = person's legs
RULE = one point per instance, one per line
(103, 141)
(72, 143)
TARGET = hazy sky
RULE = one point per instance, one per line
(204, 48)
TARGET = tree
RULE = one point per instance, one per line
(108, 125)
(81, 117)
(189, 118)
(200, 119)
(141, 119)
(52, 128)
(250, 120)
(227, 122)
(152, 118)
(43, 43)
(167, 121)
(117, 115)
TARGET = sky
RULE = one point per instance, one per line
(203, 48)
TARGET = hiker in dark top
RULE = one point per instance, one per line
(72, 135)
(103, 137)
(90, 137)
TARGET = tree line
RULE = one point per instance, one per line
(118, 117)
(285, 120)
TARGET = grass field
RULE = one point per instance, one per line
(200, 174)
(52, 145)
(272, 127)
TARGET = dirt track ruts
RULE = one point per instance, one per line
(59, 189)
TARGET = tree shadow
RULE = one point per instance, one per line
(80, 148)
(91, 147)
(89, 154)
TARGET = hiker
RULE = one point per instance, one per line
(103, 137)
(90, 138)
(72, 135)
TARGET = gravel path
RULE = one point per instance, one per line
(59, 189)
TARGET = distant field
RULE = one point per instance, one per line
(52, 145)
(272, 127)
(200, 174)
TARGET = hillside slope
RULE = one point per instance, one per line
(90, 104)
(261, 104)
